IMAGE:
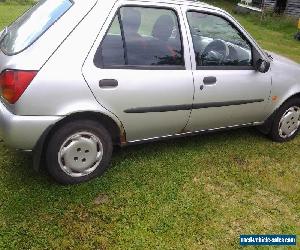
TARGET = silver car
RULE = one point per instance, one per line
(80, 76)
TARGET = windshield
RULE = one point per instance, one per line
(29, 27)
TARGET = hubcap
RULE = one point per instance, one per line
(80, 154)
(290, 122)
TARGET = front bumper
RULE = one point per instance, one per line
(23, 132)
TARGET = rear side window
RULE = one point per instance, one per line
(29, 27)
(141, 36)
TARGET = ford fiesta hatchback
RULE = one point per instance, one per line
(78, 77)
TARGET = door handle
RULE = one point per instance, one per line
(108, 83)
(210, 80)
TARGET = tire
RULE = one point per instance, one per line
(78, 151)
(286, 122)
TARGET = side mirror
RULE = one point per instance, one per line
(262, 66)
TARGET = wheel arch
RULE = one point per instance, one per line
(116, 131)
(296, 95)
(266, 127)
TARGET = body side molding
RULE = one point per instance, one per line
(168, 108)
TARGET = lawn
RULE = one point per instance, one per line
(193, 193)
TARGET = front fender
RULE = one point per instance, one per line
(285, 81)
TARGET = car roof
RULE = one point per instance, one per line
(194, 3)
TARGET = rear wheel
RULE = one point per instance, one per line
(286, 123)
(78, 152)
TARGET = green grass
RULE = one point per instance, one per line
(191, 193)
(9, 12)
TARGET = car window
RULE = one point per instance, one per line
(29, 27)
(217, 42)
(141, 36)
(111, 52)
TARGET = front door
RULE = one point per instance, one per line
(141, 71)
(229, 91)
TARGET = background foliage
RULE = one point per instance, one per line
(25, 2)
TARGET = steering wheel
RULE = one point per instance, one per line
(233, 57)
(214, 53)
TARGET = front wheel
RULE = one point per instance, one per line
(78, 152)
(286, 123)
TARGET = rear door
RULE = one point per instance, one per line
(139, 69)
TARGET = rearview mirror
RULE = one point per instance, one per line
(262, 66)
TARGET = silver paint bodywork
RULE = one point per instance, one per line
(68, 82)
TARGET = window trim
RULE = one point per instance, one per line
(233, 25)
(122, 36)
(146, 67)
(229, 67)
(141, 67)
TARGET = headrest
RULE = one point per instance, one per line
(131, 19)
(163, 28)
